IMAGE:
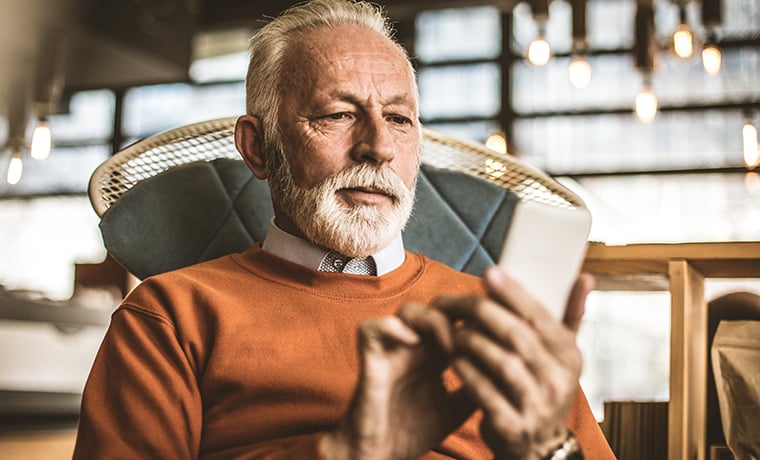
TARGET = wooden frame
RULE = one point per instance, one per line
(681, 269)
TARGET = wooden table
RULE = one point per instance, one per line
(681, 269)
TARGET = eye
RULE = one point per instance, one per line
(399, 120)
(338, 116)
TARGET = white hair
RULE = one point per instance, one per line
(269, 44)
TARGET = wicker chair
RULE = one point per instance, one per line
(161, 190)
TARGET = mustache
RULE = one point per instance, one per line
(365, 175)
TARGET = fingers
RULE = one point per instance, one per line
(483, 390)
(495, 331)
(516, 361)
(377, 334)
(428, 322)
(509, 375)
(414, 327)
(514, 431)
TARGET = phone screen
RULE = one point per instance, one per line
(544, 250)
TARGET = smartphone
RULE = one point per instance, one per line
(544, 249)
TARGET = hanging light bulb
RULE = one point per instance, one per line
(683, 42)
(579, 72)
(712, 18)
(749, 141)
(683, 39)
(711, 59)
(17, 118)
(15, 167)
(497, 142)
(646, 103)
(539, 51)
(40, 148)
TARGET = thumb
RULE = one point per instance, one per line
(576, 302)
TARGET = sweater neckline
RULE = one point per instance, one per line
(268, 266)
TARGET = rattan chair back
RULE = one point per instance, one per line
(214, 139)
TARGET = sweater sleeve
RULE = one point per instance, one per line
(583, 424)
(141, 399)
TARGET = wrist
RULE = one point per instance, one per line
(570, 449)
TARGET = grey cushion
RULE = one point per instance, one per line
(204, 210)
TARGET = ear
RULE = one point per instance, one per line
(249, 140)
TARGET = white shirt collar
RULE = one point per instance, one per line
(299, 251)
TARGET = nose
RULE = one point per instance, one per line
(374, 141)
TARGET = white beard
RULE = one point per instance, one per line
(354, 231)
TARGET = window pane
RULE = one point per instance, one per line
(609, 25)
(458, 33)
(673, 207)
(741, 18)
(476, 131)
(43, 238)
(678, 82)
(150, 109)
(614, 84)
(625, 338)
(66, 170)
(90, 118)
(621, 143)
(455, 91)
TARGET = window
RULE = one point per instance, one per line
(81, 141)
(155, 108)
(679, 178)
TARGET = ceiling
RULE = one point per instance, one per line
(120, 43)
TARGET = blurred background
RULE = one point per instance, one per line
(648, 109)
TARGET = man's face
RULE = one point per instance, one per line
(350, 140)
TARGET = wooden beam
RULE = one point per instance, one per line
(687, 412)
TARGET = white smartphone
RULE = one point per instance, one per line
(544, 250)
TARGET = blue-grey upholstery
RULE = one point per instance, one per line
(204, 210)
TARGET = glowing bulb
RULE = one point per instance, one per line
(711, 59)
(579, 72)
(646, 105)
(497, 143)
(15, 168)
(682, 42)
(41, 140)
(749, 138)
(539, 51)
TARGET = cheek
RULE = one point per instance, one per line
(311, 163)
(408, 166)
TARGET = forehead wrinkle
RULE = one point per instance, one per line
(317, 62)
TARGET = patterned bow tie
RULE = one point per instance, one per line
(334, 262)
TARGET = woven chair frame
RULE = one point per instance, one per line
(214, 139)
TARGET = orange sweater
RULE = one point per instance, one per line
(250, 356)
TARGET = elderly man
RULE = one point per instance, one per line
(254, 355)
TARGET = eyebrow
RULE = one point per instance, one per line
(394, 100)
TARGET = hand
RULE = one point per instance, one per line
(401, 407)
(518, 363)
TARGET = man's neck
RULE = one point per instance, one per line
(298, 250)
